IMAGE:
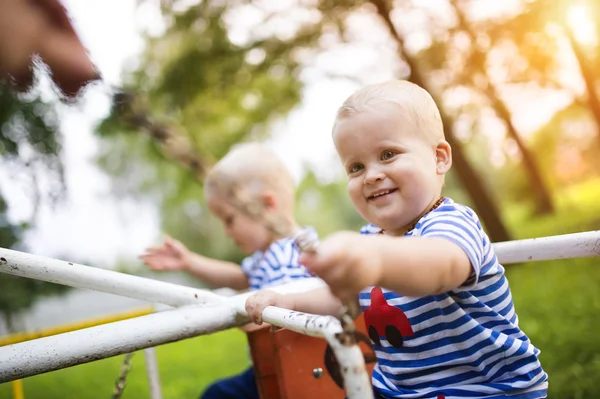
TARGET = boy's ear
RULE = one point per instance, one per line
(269, 200)
(443, 157)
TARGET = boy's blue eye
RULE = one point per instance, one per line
(387, 155)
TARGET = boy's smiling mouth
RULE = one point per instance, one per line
(381, 193)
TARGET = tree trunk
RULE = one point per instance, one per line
(484, 203)
(587, 72)
(542, 196)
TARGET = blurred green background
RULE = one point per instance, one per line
(215, 77)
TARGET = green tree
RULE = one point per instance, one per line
(194, 76)
(30, 151)
(534, 56)
(222, 92)
(475, 75)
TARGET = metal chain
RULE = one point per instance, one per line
(122, 379)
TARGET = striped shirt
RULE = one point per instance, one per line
(465, 343)
(277, 265)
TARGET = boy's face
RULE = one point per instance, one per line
(248, 234)
(394, 172)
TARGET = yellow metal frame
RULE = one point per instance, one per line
(10, 339)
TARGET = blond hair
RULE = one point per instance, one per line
(254, 169)
(413, 103)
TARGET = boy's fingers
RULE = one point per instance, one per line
(255, 316)
(306, 258)
(315, 262)
(152, 250)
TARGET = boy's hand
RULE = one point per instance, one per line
(251, 327)
(256, 303)
(347, 262)
(172, 255)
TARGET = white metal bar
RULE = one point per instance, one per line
(567, 246)
(95, 343)
(152, 373)
(80, 276)
(111, 339)
(107, 340)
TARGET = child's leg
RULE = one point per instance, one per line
(241, 386)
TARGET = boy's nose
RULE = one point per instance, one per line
(373, 175)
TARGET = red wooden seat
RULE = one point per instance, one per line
(289, 365)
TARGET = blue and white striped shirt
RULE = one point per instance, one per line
(277, 265)
(465, 343)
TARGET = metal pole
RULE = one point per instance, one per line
(567, 246)
(99, 342)
(152, 372)
(93, 278)
(79, 276)
(17, 386)
(46, 332)
(95, 343)
(83, 346)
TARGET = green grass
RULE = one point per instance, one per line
(558, 303)
(186, 368)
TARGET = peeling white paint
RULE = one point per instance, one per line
(83, 346)
(93, 278)
(567, 246)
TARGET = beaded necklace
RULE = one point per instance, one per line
(412, 227)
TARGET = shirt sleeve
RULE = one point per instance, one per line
(370, 229)
(253, 273)
(462, 227)
(280, 264)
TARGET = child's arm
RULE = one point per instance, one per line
(217, 273)
(319, 301)
(412, 266)
(173, 255)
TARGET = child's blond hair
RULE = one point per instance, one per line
(413, 102)
(253, 169)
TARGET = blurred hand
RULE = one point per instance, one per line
(256, 303)
(251, 327)
(348, 262)
(30, 27)
(172, 255)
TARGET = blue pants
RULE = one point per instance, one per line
(376, 394)
(241, 386)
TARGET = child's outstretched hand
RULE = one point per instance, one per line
(172, 255)
(256, 303)
(347, 262)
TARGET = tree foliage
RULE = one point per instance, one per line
(30, 152)
(213, 91)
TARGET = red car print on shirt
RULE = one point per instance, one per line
(383, 320)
